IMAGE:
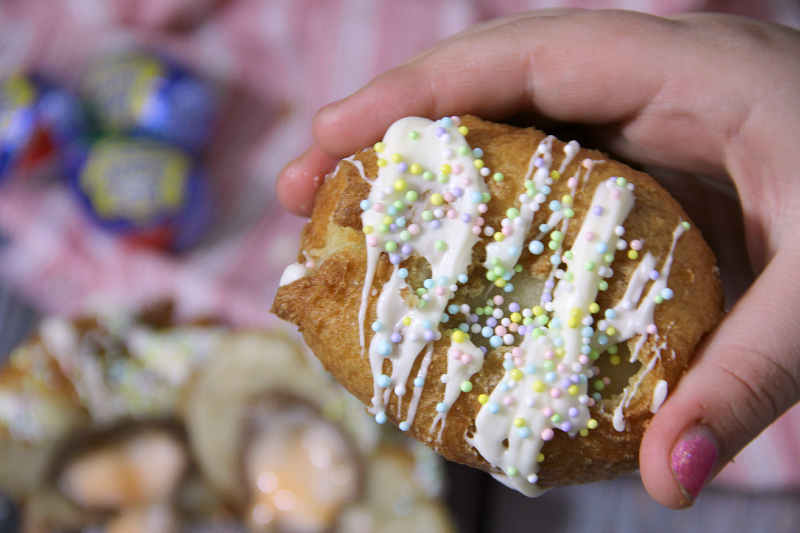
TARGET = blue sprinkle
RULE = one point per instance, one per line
(384, 381)
(446, 122)
(419, 382)
(555, 259)
(452, 309)
(444, 281)
(487, 331)
(513, 251)
(403, 273)
(545, 189)
(508, 287)
(463, 278)
(558, 341)
(667, 293)
(385, 348)
(391, 210)
(602, 340)
(377, 326)
(524, 432)
(496, 341)
(464, 327)
(476, 197)
(445, 318)
(508, 275)
(531, 369)
(536, 247)
(404, 426)
(380, 418)
(582, 378)
(504, 387)
(601, 247)
(477, 152)
(426, 324)
(429, 284)
(365, 204)
(401, 222)
(544, 228)
(586, 349)
(597, 397)
(555, 323)
(587, 331)
(555, 205)
(494, 408)
(441, 407)
(508, 364)
(611, 314)
(550, 377)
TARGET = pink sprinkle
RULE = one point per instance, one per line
(440, 291)
(517, 352)
(456, 120)
(372, 241)
(476, 230)
(519, 362)
(498, 300)
(448, 196)
(458, 169)
(548, 354)
(480, 221)
(466, 358)
(615, 194)
(583, 359)
(500, 330)
(547, 434)
(587, 163)
(452, 213)
(652, 329)
(572, 182)
(508, 400)
(555, 392)
(636, 244)
(562, 368)
(413, 229)
(456, 353)
(590, 402)
(482, 208)
(607, 380)
(377, 207)
(508, 231)
(547, 411)
(311, 265)
(467, 181)
(589, 236)
(513, 327)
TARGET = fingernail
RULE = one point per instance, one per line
(693, 460)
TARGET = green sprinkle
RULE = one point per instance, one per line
(512, 213)
(495, 261)
(621, 182)
(569, 213)
(412, 196)
(383, 228)
(441, 245)
(599, 385)
(613, 349)
(593, 355)
(463, 149)
(658, 299)
(427, 216)
(399, 205)
(427, 175)
(499, 271)
(527, 321)
(491, 276)
(441, 178)
(556, 418)
(391, 246)
(511, 472)
(609, 258)
(517, 268)
(479, 311)
(553, 245)
(568, 277)
(603, 285)
(413, 135)
(466, 386)
(557, 236)
(542, 320)
(405, 235)
(568, 255)
(486, 197)
(589, 266)
(548, 365)
(498, 176)
(686, 225)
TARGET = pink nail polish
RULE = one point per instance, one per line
(693, 460)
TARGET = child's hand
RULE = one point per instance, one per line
(708, 94)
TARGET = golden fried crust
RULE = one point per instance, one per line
(325, 304)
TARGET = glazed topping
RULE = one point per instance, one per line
(427, 200)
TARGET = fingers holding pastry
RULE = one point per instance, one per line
(742, 379)
(299, 181)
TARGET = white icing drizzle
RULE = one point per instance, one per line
(545, 386)
(359, 166)
(659, 395)
(294, 272)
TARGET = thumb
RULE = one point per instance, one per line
(744, 376)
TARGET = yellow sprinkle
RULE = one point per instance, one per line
(416, 169)
(445, 169)
(367, 229)
(379, 147)
(516, 317)
(573, 390)
(500, 282)
(537, 310)
(540, 458)
(387, 220)
(633, 254)
(499, 237)
(538, 386)
(459, 336)
(611, 331)
(614, 360)
(396, 158)
(593, 307)
(437, 199)
(483, 399)
(519, 422)
(573, 323)
(382, 162)
(584, 432)
(463, 130)
(566, 199)
(561, 352)
(516, 374)
(407, 321)
(400, 185)
(479, 163)
(576, 312)
(592, 424)
(555, 174)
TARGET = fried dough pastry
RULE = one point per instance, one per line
(518, 304)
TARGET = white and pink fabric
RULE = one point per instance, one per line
(277, 62)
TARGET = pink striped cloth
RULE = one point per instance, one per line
(279, 61)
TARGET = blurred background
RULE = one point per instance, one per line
(140, 238)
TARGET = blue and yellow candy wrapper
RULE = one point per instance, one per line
(140, 94)
(147, 192)
(18, 97)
